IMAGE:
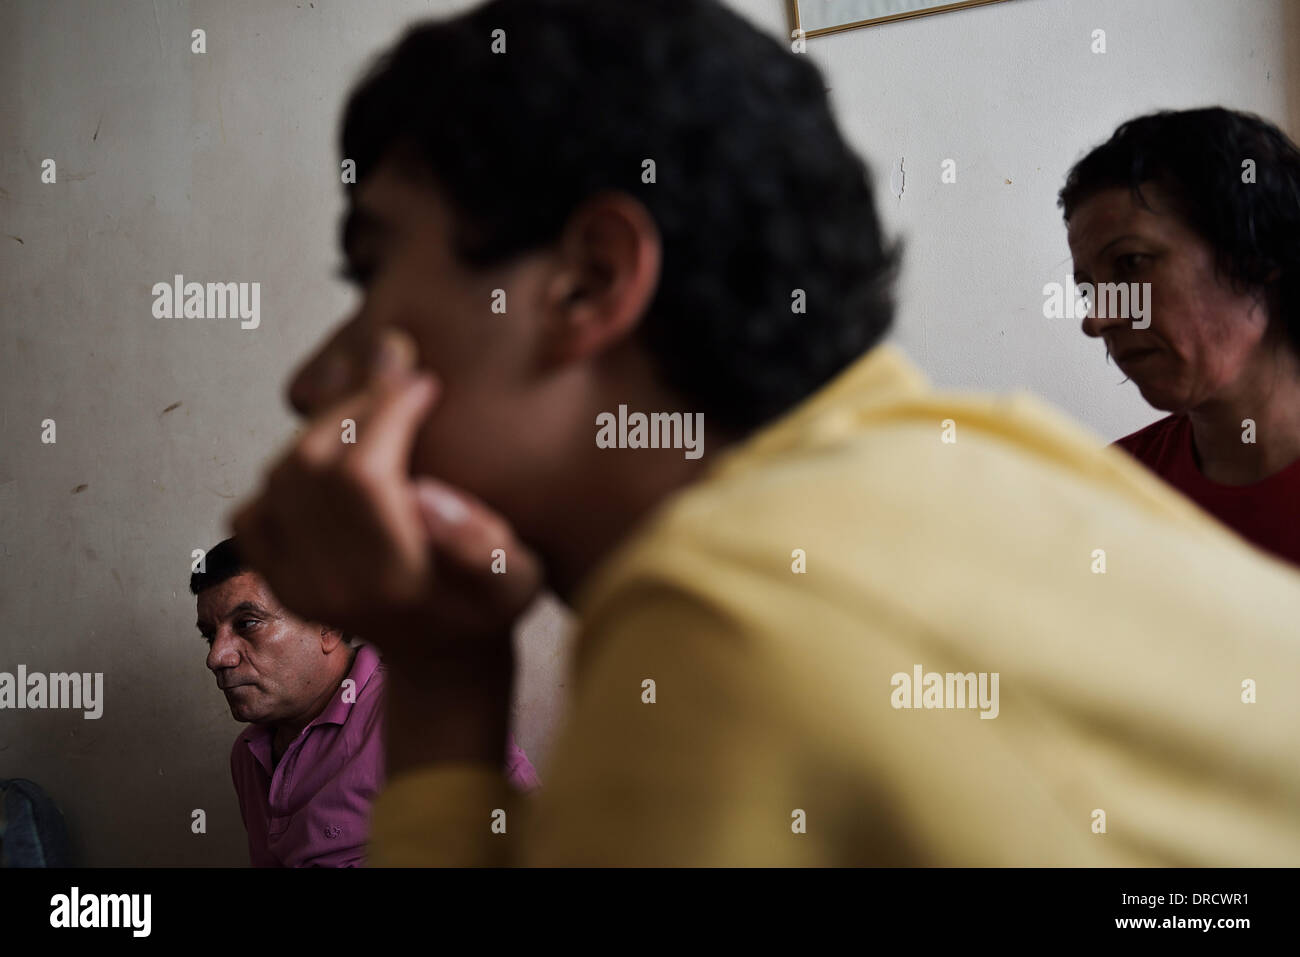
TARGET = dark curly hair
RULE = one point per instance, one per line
(1197, 157)
(757, 193)
(221, 563)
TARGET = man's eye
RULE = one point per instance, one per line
(246, 623)
(1130, 261)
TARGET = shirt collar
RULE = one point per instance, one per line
(876, 380)
(363, 666)
(865, 389)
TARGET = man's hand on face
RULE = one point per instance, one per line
(345, 535)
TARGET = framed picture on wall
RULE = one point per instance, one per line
(819, 17)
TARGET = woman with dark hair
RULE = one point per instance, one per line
(1202, 208)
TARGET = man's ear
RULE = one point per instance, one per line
(329, 639)
(610, 255)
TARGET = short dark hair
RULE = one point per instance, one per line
(221, 563)
(757, 193)
(1198, 158)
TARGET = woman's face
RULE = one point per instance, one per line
(1205, 341)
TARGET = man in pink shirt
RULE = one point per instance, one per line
(312, 760)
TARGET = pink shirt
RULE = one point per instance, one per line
(313, 808)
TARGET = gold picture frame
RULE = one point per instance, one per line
(939, 6)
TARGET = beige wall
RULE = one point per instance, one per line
(223, 167)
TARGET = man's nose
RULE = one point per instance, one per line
(334, 371)
(222, 653)
(356, 357)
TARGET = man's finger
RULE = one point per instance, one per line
(393, 422)
(464, 531)
(322, 442)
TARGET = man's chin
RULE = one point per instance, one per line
(243, 707)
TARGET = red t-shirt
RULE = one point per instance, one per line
(1266, 513)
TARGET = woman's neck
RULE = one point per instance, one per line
(1246, 434)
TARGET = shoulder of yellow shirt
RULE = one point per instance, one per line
(867, 478)
(980, 555)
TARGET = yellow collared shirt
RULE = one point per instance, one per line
(745, 688)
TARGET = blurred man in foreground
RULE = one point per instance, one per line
(860, 622)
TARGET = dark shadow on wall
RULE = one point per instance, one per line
(1291, 29)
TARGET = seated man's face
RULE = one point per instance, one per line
(271, 666)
